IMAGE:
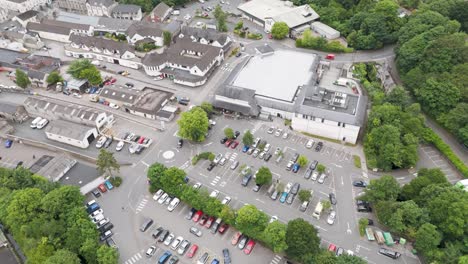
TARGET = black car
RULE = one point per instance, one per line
(106, 227)
(180, 143)
(332, 198)
(104, 236)
(227, 256)
(108, 142)
(223, 140)
(239, 54)
(313, 165)
(295, 188)
(267, 157)
(157, 232)
(96, 193)
(359, 183)
(389, 253)
(319, 146)
(211, 166)
(19, 164)
(236, 134)
(130, 84)
(120, 72)
(190, 214)
(163, 235)
(370, 221)
(363, 206)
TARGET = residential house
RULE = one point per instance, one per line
(206, 36)
(130, 12)
(185, 62)
(100, 7)
(142, 31)
(75, 6)
(160, 12)
(22, 6)
(31, 41)
(28, 16)
(107, 50)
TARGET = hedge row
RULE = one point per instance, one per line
(204, 155)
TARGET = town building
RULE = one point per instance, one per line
(77, 85)
(4, 15)
(318, 98)
(71, 133)
(206, 36)
(130, 12)
(75, 6)
(107, 50)
(101, 25)
(145, 32)
(325, 30)
(36, 67)
(28, 16)
(30, 41)
(59, 30)
(13, 113)
(100, 7)
(22, 6)
(185, 62)
(267, 12)
(160, 13)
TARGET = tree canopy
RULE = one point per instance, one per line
(106, 163)
(22, 79)
(301, 240)
(247, 139)
(279, 30)
(84, 69)
(264, 176)
(193, 125)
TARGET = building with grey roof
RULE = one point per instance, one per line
(206, 36)
(35, 66)
(139, 31)
(71, 133)
(185, 62)
(325, 30)
(100, 24)
(59, 30)
(130, 12)
(22, 6)
(28, 16)
(315, 96)
(74, 6)
(160, 12)
(100, 7)
(101, 49)
(267, 12)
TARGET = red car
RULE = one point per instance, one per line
(228, 143)
(192, 251)
(197, 216)
(223, 228)
(140, 141)
(249, 247)
(102, 187)
(113, 80)
(234, 144)
(235, 238)
(330, 57)
(203, 220)
(332, 248)
(209, 223)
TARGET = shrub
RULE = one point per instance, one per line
(363, 222)
(357, 161)
(116, 181)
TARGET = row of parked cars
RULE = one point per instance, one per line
(39, 123)
(103, 224)
(278, 132)
(102, 188)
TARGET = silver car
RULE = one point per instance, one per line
(314, 175)
(234, 165)
(331, 218)
(218, 158)
(322, 178)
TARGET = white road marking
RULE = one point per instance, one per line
(206, 145)
(144, 163)
(259, 200)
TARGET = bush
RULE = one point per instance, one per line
(234, 52)
(116, 181)
(204, 155)
(357, 161)
(256, 36)
(318, 43)
(363, 222)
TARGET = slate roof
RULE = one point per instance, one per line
(68, 129)
(106, 3)
(101, 43)
(125, 9)
(35, 66)
(65, 24)
(175, 54)
(150, 100)
(27, 15)
(119, 94)
(208, 34)
(144, 30)
(39, 27)
(161, 9)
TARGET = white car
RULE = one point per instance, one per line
(267, 147)
(120, 146)
(76, 95)
(261, 155)
(278, 132)
(277, 151)
(176, 243)
(163, 198)
(102, 222)
(214, 193)
(309, 143)
(158, 194)
(226, 200)
(314, 175)
(132, 148)
(97, 218)
(285, 135)
(101, 142)
(95, 213)
(222, 161)
(112, 105)
(169, 239)
(197, 185)
(150, 251)
(322, 178)
(217, 158)
(158, 78)
(273, 218)
(331, 218)
(174, 203)
(187, 17)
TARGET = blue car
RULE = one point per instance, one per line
(296, 167)
(109, 185)
(8, 143)
(245, 148)
(164, 257)
(283, 197)
(215, 261)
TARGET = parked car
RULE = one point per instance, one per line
(389, 253)
(150, 251)
(101, 141)
(322, 178)
(236, 134)
(234, 165)
(109, 185)
(234, 144)
(196, 231)
(332, 247)
(248, 249)
(190, 214)
(235, 238)
(278, 132)
(245, 148)
(285, 135)
(175, 244)
(246, 179)
(158, 194)
(180, 143)
(290, 198)
(147, 222)
(174, 203)
(283, 197)
(226, 200)
(296, 167)
(295, 188)
(163, 236)
(274, 195)
(308, 173)
(267, 157)
(331, 218)
(211, 166)
(255, 153)
(332, 198)
(156, 233)
(164, 257)
(163, 198)
(203, 259)
(223, 228)
(319, 146)
(214, 193)
(184, 245)
(313, 165)
(309, 143)
(8, 143)
(359, 183)
(217, 158)
(192, 251)
(227, 256)
(120, 146)
(197, 216)
(339, 251)
(102, 188)
(242, 242)
(271, 130)
(315, 175)
(169, 239)
(209, 222)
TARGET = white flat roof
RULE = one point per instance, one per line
(277, 75)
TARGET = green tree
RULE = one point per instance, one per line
(106, 163)
(347, 259)
(24, 205)
(264, 176)
(61, 200)
(411, 191)
(54, 77)
(321, 168)
(301, 239)
(229, 133)
(107, 255)
(430, 97)
(252, 221)
(326, 205)
(427, 238)
(167, 38)
(41, 252)
(22, 79)
(155, 172)
(220, 16)
(398, 96)
(173, 180)
(193, 125)
(239, 25)
(363, 223)
(325, 257)
(275, 236)
(207, 107)
(304, 195)
(247, 139)
(279, 30)
(63, 256)
(302, 161)
(77, 66)
(384, 189)
(93, 75)
(228, 215)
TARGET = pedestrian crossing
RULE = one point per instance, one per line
(226, 68)
(276, 259)
(141, 205)
(215, 180)
(135, 258)
(233, 156)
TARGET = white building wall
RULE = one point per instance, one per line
(145, 115)
(123, 62)
(275, 112)
(55, 37)
(83, 143)
(330, 129)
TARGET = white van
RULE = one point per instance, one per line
(35, 122)
(318, 210)
(42, 123)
